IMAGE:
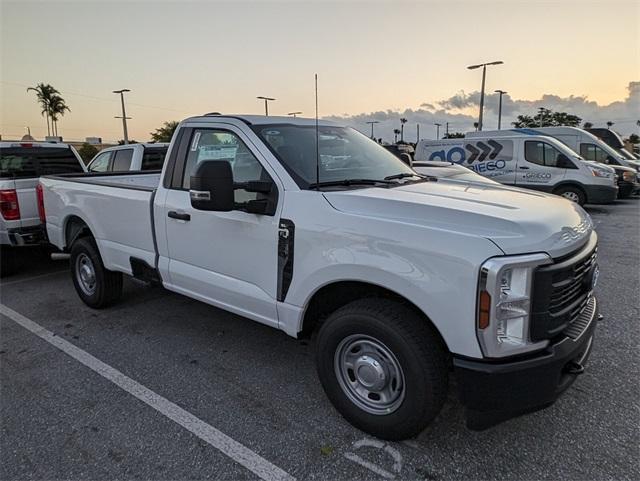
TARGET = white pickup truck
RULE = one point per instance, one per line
(405, 280)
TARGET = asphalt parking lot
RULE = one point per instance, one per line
(61, 419)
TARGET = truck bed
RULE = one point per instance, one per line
(116, 207)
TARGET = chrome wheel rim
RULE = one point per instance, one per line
(369, 374)
(572, 196)
(86, 274)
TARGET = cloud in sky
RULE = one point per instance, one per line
(460, 111)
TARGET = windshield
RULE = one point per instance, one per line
(344, 154)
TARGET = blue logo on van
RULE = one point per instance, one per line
(480, 156)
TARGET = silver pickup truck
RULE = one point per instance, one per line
(21, 164)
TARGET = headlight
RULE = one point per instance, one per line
(504, 305)
(600, 172)
(629, 176)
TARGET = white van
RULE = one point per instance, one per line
(586, 144)
(531, 161)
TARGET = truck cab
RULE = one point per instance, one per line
(122, 158)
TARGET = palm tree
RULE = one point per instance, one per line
(587, 125)
(44, 93)
(609, 124)
(396, 132)
(402, 122)
(57, 106)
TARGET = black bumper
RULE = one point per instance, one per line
(625, 189)
(601, 194)
(495, 392)
(27, 236)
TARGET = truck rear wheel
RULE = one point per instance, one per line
(383, 368)
(97, 286)
(574, 194)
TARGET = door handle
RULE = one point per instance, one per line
(179, 215)
(524, 167)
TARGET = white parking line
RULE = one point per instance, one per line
(228, 446)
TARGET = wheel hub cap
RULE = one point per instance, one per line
(86, 274)
(369, 374)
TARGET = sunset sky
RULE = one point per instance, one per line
(187, 58)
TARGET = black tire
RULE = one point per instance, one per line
(107, 284)
(417, 349)
(8, 261)
(572, 193)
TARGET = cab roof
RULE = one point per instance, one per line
(263, 119)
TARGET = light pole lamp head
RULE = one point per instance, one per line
(121, 91)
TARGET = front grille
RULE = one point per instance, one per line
(561, 293)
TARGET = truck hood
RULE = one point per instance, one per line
(518, 221)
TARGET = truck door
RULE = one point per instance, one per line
(228, 259)
(537, 168)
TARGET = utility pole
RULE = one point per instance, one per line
(124, 114)
(447, 130)
(372, 122)
(501, 92)
(484, 75)
(437, 130)
(266, 104)
(294, 114)
(417, 133)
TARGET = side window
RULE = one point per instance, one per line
(534, 152)
(153, 158)
(101, 164)
(122, 160)
(541, 153)
(208, 144)
(593, 152)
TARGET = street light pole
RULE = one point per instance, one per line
(124, 114)
(266, 104)
(484, 75)
(437, 130)
(447, 130)
(501, 92)
(372, 122)
(294, 114)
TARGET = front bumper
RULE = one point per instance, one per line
(26, 236)
(625, 188)
(493, 392)
(601, 194)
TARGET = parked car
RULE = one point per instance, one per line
(129, 157)
(533, 162)
(406, 280)
(587, 145)
(21, 163)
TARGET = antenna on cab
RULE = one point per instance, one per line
(317, 137)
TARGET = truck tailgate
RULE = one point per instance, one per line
(117, 210)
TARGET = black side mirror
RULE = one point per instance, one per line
(212, 186)
(564, 162)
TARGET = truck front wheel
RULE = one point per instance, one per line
(97, 286)
(383, 367)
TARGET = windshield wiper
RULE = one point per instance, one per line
(403, 175)
(348, 182)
